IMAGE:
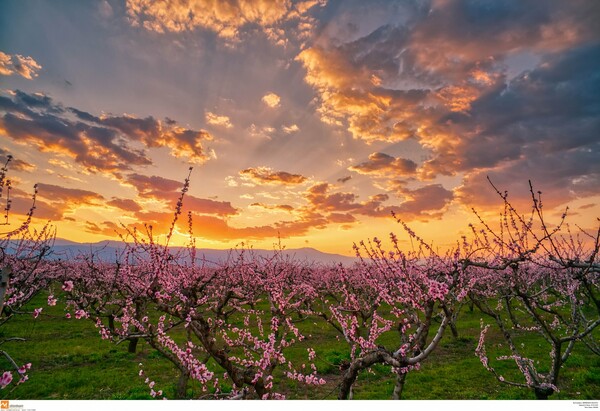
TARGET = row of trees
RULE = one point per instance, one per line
(230, 326)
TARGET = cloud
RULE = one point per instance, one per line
(281, 207)
(21, 203)
(153, 186)
(542, 127)
(52, 201)
(15, 163)
(26, 67)
(207, 206)
(227, 18)
(105, 9)
(561, 177)
(271, 100)
(124, 204)
(290, 129)
(380, 164)
(216, 120)
(503, 89)
(421, 203)
(168, 190)
(100, 144)
(322, 200)
(344, 179)
(265, 175)
(264, 132)
(428, 201)
(70, 196)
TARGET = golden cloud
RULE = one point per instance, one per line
(26, 67)
(216, 120)
(266, 175)
(272, 100)
(226, 18)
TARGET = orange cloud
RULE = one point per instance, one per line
(216, 120)
(272, 100)
(227, 18)
(124, 204)
(52, 201)
(15, 164)
(380, 164)
(26, 67)
(349, 95)
(290, 129)
(21, 203)
(70, 196)
(215, 228)
(282, 207)
(265, 175)
(100, 144)
(422, 203)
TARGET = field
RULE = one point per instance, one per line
(495, 318)
(70, 361)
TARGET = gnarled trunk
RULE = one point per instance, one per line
(399, 387)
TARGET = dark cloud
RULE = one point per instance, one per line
(543, 126)
(508, 89)
(383, 165)
(426, 202)
(21, 203)
(280, 207)
(107, 228)
(52, 201)
(70, 196)
(161, 188)
(207, 206)
(153, 186)
(124, 204)
(429, 201)
(15, 163)
(560, 176)
(100, 144)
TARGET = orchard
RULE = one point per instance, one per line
(254, 327)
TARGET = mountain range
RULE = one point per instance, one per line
(111, 250)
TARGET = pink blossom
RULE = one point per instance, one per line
(23, 369)
(68, 286)
(79, 314)
(5, 379)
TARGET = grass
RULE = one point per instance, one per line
(70, 361)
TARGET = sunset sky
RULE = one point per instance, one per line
(308, 120)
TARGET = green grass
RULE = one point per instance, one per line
(71, 361)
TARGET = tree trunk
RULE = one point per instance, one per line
(4, 280)
(182, 383)
(453, 328)
(133, 342)
(400, 380)
(357, 365)
(111, 323)
(543, 393)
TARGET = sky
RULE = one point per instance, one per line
(304, 121)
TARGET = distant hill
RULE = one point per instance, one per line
(112, 250)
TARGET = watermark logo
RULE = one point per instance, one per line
(4, 404)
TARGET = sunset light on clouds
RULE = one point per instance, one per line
(311, 121)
